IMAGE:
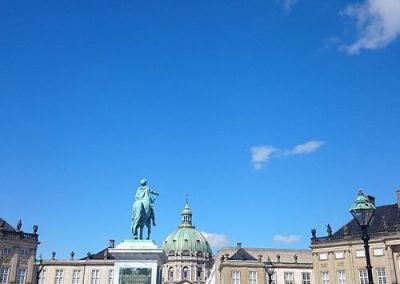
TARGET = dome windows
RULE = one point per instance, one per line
(185, 273)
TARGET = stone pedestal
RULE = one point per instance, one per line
(137, 262)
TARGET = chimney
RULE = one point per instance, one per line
(371, 199)
(111, 244)
(239, 245)
(398, 198)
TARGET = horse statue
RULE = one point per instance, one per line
(140, 218)
(143, 211)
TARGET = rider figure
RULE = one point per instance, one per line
(144, 193)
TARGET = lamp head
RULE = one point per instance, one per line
(269, 267)
(362, 209)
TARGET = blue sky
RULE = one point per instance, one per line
(268, 114)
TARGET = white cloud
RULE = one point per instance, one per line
(307, 147)
(260, 155)
(216, 240)
(378, 24)
(291, 239)
(287, 5)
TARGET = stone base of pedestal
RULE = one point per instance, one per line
(137, 262)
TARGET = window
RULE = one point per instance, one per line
(273, 278)
(235, 277)
(252, 277)
(381, 273)
(325, 277)
(288, 277)
(4, 274)
(95, 276)
(170, 274)
(323, 256)
(42, 277)
(200, 273)
(110, 276)
(341, 276)
(24, 252)
(306, 278)
(59, 276)
(76, 277)
(7, 251)
(360, 253)
(185, 273)
(378, 252)
(363, 276)
(339, 254)
(21, 275)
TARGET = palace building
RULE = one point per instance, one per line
(185, 257)
(17, 254)
(340, 257)
(247, 265)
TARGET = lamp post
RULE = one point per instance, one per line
(363, 211)
(269, 269)
(39, 267)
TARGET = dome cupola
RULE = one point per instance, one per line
(186, 240)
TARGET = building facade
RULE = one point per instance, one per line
(340, 257)
(17, 254)
(247, 265)
(94, 269)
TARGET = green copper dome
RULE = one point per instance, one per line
(186, 240)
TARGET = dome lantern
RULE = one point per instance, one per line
(186, 217)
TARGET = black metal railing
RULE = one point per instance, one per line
(20, 234)
(390, 231)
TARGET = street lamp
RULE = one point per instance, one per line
(269, 269)
(363, 211)
(39, 267)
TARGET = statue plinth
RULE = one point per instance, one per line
(137, 261)
(137, 245)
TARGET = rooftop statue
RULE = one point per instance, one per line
(143, 210)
